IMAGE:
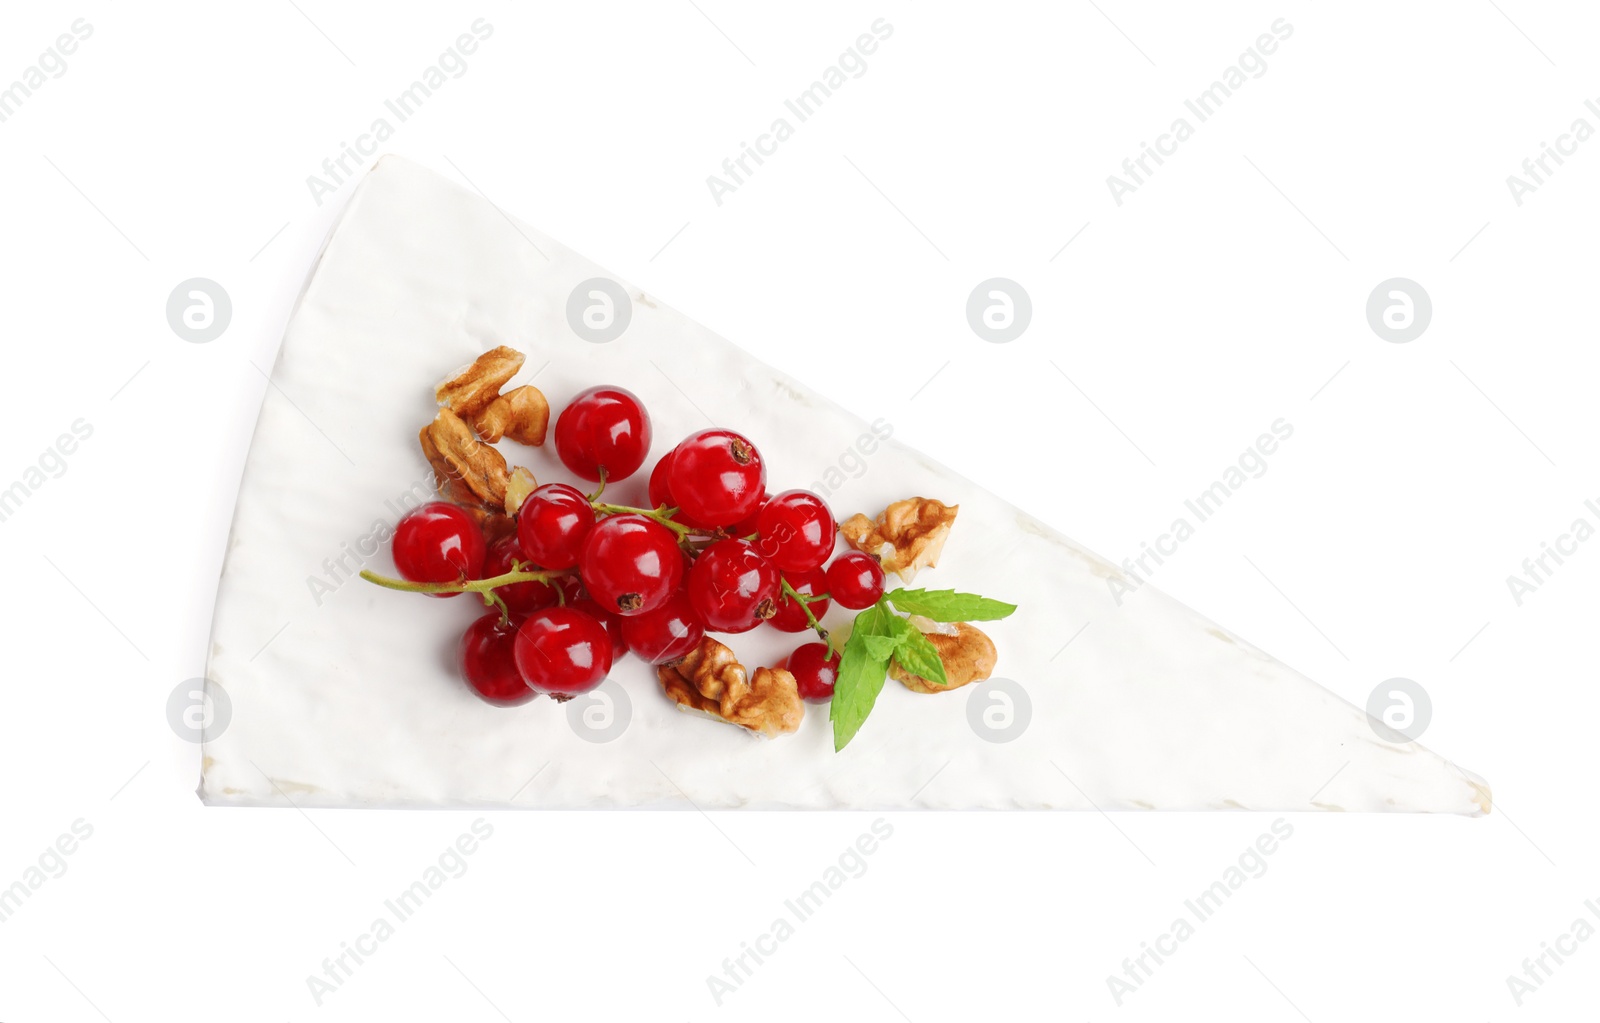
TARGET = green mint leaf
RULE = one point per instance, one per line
(915, 654)
(861, 674)
(949, 606)
(881, 647)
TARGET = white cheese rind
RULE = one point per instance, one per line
(356, 703)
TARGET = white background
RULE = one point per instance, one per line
(1226, 292)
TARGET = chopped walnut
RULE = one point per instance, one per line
(710, 679)
(521, 413)
(967, 653)
(450, 487)
(907, 537)
(518, 487)
(460, 460)
(471, 390)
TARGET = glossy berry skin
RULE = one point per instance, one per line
(571, 589)
(750, 524)
(665, 634)
(604, 428)
(552, 524)
(438, 543)
(613, 623)
(631, 564)
(791, 616)
(488, 662)
(717, 477)
(661, 494)
(562, 651)
(815, 669)
(657, 488)
(797, 531)
(732, 587)
(519, 597)
(855, 580)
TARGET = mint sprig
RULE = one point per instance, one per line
(863, 668)
(915, 654)
(880, 635)
(949, 605)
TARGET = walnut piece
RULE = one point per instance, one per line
(521, 413)
(450, 487)
(473, 389)
(907, 537)
(462, 464)
(710, 679)
(967, 653)
(518, 487)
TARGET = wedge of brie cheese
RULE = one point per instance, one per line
(345, 694)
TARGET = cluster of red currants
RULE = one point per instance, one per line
(585, 581)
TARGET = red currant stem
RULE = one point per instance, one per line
(805, 605)
(602, 489)
(482, 586)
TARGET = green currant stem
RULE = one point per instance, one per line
(479, 586)
(494, 600)
(805, 605)
(659, 515)
(602, 489)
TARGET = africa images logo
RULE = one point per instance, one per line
(52, 63)
(1252, 63)
(852, 63)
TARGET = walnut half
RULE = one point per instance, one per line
(907, 537)
(521, 413)
(967, 653)
(711, 679)
(473, 388)
(465, 469)
(473, 393)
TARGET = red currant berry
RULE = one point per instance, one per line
(750, 524)
(570, 588)
(733, 588)
(791, 616)
(604, 428)
(488, 662)
(855, 580)
(613, 624)
(552, 525)
(797, 531)
(631, 564)
(661, 494)
(815, 669)
(438, 543)
(665, 634)
(562, 651)
(657, 489)
(519, 597)
(717, 477)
